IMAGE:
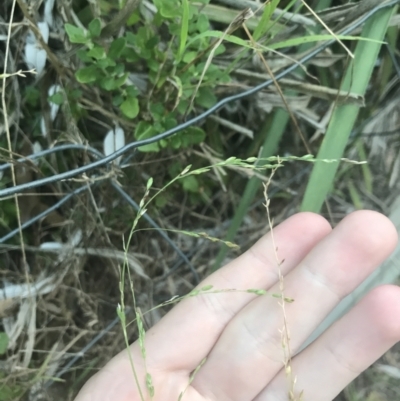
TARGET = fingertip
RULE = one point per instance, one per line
(309, 220)
(305, 225)
(370, 221)
(293, 238)
(369, 232)
(383, 305)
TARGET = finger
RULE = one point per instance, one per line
(351, 345)
(250, 348)
(187, 334)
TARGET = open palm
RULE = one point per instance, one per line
(240, 333)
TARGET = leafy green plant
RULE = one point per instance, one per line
(8, 390)
(171, 66)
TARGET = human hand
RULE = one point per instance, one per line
(240, 333)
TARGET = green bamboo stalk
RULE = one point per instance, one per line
(356, 80)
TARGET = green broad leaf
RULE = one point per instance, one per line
(202, 23)
(220, 50)
(83, 56)
(152, 147)
(157, 110)
(190, 184)
(153, 42)
(193, 136)
(87, 75)
(132, 91)
(169, 122)
(112, 83)
(154, 65)
(107, 83)
(133, 19)
(131, 38)
(143, 34)
(9, 392)
(119, 69)
(175, 141)
(130, 55)
(213, 72)
(32, 95)
(95, 28)
(189, 57)
(97, 52)
(145, 130)
(174, 28)
(3, 343)
(117, 100)
(182, 106)
(116, 48)
(206, 97)
(169, 9)
(130, 107)
(193, 11)
(57, 98)
(121, 80)
(76, 34)
(105, 63)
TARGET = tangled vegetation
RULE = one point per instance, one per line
(97, 75)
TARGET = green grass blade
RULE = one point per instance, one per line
(184, 28)
(357, 77)
(366, 171)
(263, 25)
(226, 15)
(316, 38)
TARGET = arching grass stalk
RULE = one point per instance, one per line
(271, 163)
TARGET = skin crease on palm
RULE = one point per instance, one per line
(240, 333)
